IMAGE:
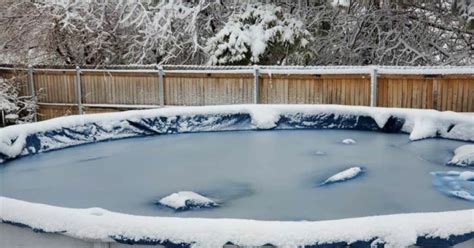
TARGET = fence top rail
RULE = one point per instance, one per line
(269, 70)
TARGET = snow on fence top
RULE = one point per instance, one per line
(396, 70)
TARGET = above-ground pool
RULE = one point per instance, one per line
(297, 174)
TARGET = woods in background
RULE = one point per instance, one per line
(231, 32)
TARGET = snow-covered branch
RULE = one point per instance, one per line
(315, 32)
(14, 107)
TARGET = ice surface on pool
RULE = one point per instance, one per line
(271, 175)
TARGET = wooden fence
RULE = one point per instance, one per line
(73, 91)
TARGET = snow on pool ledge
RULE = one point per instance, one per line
(75, 130)
(393, 230)
(98, 224)
(463, 156)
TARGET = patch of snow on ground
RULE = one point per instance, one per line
(349, 141)
(185, 200)
(344, 175)
(463, 156)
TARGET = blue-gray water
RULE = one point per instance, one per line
(272, 175)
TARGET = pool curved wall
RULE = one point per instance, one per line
(450, 228)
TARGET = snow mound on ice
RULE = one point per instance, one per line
(463, 156)
(187, 200)
(467, 176)
(344, 175)
(349, 141)
(319, 153)
(462, 194)
(455, 183)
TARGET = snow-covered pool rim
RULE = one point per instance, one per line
(27, 139)
(74, 130)
(96, 224)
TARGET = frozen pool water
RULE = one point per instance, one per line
(267, 175)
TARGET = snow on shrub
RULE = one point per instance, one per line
(341, 3)
(15, 107)
(262, 34)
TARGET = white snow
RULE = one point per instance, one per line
(455, 183)
(349, 141)
(463, 156)
(264, 118)
(462, 194)
(12, 117)
(186, 199)
(423, 129)
(399, 230)
(466, 175)
(342, 3)
(285, 70)
(250, 33)
(344, 175)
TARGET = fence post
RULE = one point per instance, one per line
(256, 86)
(79, 90)
(161, 86)
(373, 87)
(3, 123)
(31, 83)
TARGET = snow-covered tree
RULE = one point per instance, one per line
(465, 8)
(389, 32)
(262, 34)
(303, 32)
(13, 105)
